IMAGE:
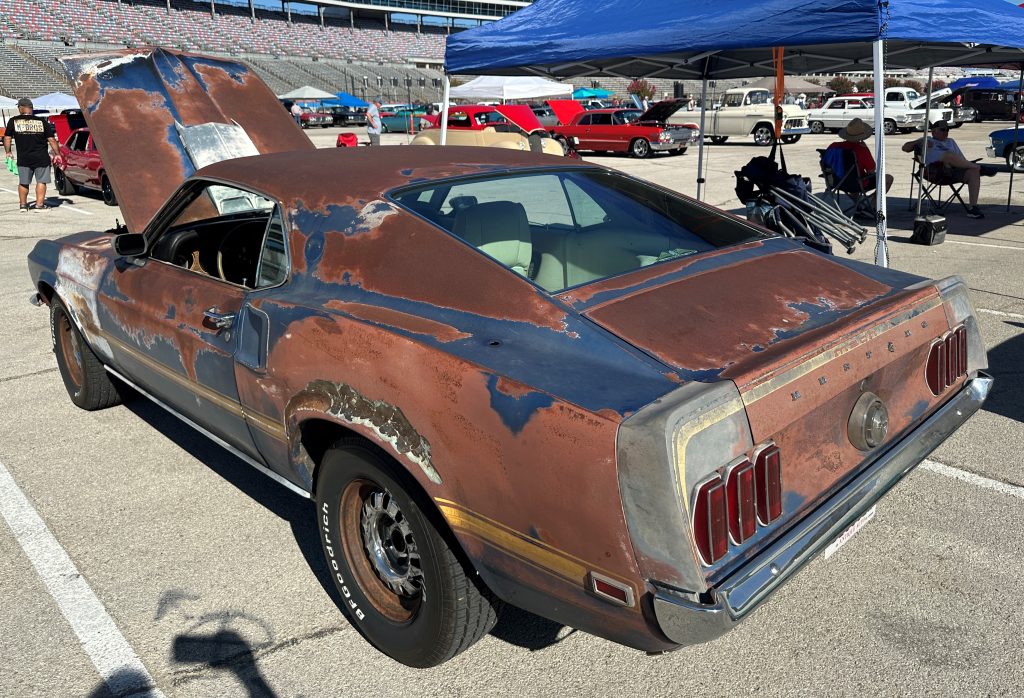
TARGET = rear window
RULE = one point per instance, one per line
(564, 228)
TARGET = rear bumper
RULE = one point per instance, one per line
(687, 622)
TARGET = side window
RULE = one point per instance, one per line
(602, 119)
(459, 119)
(273, 267)
(585, 120)
(733, 100)
(893, 96)
(78, 141)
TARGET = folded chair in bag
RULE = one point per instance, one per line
(844, 179)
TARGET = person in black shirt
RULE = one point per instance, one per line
(31, 134)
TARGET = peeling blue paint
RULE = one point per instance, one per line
(516, 410)
(171, 312)
(917, 411)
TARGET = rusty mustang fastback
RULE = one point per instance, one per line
(501, 376)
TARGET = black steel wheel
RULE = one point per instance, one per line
(88, 384)
(640, 148)
(108, 193)
(403, 583)
(817, 127)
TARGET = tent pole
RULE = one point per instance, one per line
(1019, 99)
(924, 147)
(700, 146)
(881, 248)
(444, 108)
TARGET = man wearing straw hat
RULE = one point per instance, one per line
(853, 137)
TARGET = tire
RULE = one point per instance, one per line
(791, 139)
(889, 127)
(977, 118)
(719, 140)
(817, 127)
(64, 186)
(1015, 161)
(640, 148)
(89, 386)
(369, 522)
(384, 128)
(108, 194)
(677, 151)
(763, 134)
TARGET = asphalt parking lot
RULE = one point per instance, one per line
(211, 576)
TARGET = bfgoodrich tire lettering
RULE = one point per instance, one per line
(401, 582)
(88, 384)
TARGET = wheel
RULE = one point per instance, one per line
(719, 140)
(791, 139)
(108, 194)
(88, 384)
(1015, 159)
(325, 125)
(640, 148)
(677, 151)
(889, 127)
(388, 558)
(977, 118)
(65, 187)
(384, 128)
(817, 127)
(764, 134)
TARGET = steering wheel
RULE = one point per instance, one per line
(236, 260)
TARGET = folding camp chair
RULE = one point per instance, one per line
(930, 180)
(844, 179)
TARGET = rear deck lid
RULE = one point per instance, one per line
(157, 116)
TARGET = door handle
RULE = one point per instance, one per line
(222, 321)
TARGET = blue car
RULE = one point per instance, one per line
(1001, 145)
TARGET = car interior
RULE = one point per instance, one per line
(228, 234)
(566, 229)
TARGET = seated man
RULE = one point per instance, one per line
(945, 153)
(853, 137)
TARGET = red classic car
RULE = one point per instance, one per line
(501, 376)
(81, 167)
(512, 126)
(627, 130)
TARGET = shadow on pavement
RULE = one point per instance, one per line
(524, 629)
(224, 650)
(1006, 364)
(123, 683)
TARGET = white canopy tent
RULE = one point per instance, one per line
(509, 87)
(55, 101)
(7, 103)
(308, 93)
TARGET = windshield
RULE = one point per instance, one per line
(565, 228)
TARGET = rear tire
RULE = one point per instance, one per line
(386, 557)
(108, 193)
(89, 386)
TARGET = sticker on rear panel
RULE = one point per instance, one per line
(849, 533)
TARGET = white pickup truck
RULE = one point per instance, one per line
(748, 111)
(902, 111)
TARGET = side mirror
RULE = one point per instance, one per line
(129, 244)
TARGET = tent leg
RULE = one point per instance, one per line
(700, 146)
(927, 123)
(1016, 130)
(444, 108)
(881, 247)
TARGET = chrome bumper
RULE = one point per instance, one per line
(796, 130)
(688, 622)
(669, 145)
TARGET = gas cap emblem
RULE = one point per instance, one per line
(869, 422)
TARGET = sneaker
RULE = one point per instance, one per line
(22, 208)
(975, 212)
(37, 207)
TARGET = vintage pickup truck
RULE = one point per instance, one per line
(748, 111)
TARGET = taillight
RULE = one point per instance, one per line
(739, 485)
(947, 360)
(768, 479)
(710, 530)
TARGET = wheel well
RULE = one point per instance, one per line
(46, 292)
(759, 124)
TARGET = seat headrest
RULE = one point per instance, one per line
(499, 229)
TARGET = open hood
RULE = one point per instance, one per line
(157, 116)
(943, 95)
(520, 115)
(565, 109)
(662, 110)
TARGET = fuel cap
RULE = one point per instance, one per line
(869, 422)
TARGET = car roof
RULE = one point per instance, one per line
(356, 176)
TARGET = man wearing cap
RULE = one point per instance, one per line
(944, 153)
(31, 134)
(853, 137)
(373, 121)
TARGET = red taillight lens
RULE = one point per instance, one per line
(768, 482)
(740, 491)
(947, 360)
(710, 528)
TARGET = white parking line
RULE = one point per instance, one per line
(986, 244)
(971, 478)
(115, 660)
(1000, 313)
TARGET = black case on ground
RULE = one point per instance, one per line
(929, 230)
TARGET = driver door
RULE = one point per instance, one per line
(172, 316)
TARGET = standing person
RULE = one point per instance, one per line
(31, 134)
(373, 121)
(297, 113)
(946, 159)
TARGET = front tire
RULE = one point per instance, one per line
(889, 127)
(640, 148)
(108, 193)
(1015, 159)
(791, 138)
(88, 384)
(719, 140)
(817, 127)
(387, 559)
(65, 187)
(764, 134)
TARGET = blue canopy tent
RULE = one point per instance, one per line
(344, 99)
(984, 81)
(591, 93)
(707, 39)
